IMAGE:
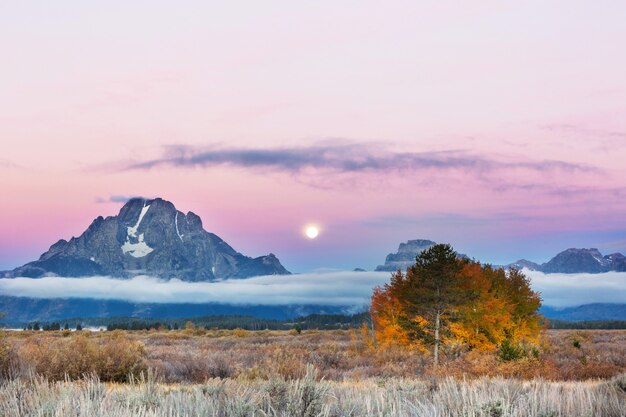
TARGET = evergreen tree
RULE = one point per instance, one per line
(431, 291)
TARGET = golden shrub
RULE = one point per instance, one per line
(6, 357)
(240, 333)
(111, 359)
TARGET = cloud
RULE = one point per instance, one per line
(598, 139)
(5, 163)
(444, 218)
(333, 289)
(345, 158)
(118, 198)
(582, 130)
(341, 288)
(568, 290)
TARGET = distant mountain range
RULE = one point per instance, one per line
(148, 237)
(596, 311)
(151, 237)
(573, 261)
(25, 309)
(570, 261)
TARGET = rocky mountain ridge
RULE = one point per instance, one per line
(573, 260)
(405, 256)
(570, 261)
(149, 237)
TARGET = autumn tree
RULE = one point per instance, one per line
(445, 299)
(387, 314)
(431, 292)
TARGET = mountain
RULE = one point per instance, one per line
(407, 252)
(617, 262)
(577, 260)
(405, 257)
(572, 261)
(523, 263)
(149, 237)
(596, 311)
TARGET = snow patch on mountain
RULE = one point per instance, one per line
(132, 231)
(137, 250)
(177, 231)
(140, 248)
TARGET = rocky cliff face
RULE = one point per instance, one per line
(149, 237)
(405, 257)
(617, 262)
(577, 260)
(523, 263)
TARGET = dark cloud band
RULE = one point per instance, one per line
(345, 158)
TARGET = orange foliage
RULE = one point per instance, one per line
(485, 307)
(387, 314)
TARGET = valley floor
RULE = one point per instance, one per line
(195, 372)
(196, 355)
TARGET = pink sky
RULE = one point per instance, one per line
(534, 93)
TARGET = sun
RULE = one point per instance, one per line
(312, 232)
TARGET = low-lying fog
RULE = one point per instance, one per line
(345, 288)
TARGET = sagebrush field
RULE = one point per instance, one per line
(197, 372)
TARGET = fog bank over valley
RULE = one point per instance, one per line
(337, 288)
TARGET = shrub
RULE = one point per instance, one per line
(220, 367)
(119, 358)
(286, 363)
(307, 396)
(7, 358)
(510, 352)
(240, 333)
(620, 382)
(111, 359)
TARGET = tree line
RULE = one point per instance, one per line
(313, 321)
(588, 324)
(45, 326)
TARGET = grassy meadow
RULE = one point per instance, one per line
(197, 372)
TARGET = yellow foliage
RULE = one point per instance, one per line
(240, 333)
(485, 307)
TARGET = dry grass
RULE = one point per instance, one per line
(194, 372)
(194, 356)
(310, 397)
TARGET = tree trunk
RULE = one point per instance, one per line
(437, 341)
(374, 341)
